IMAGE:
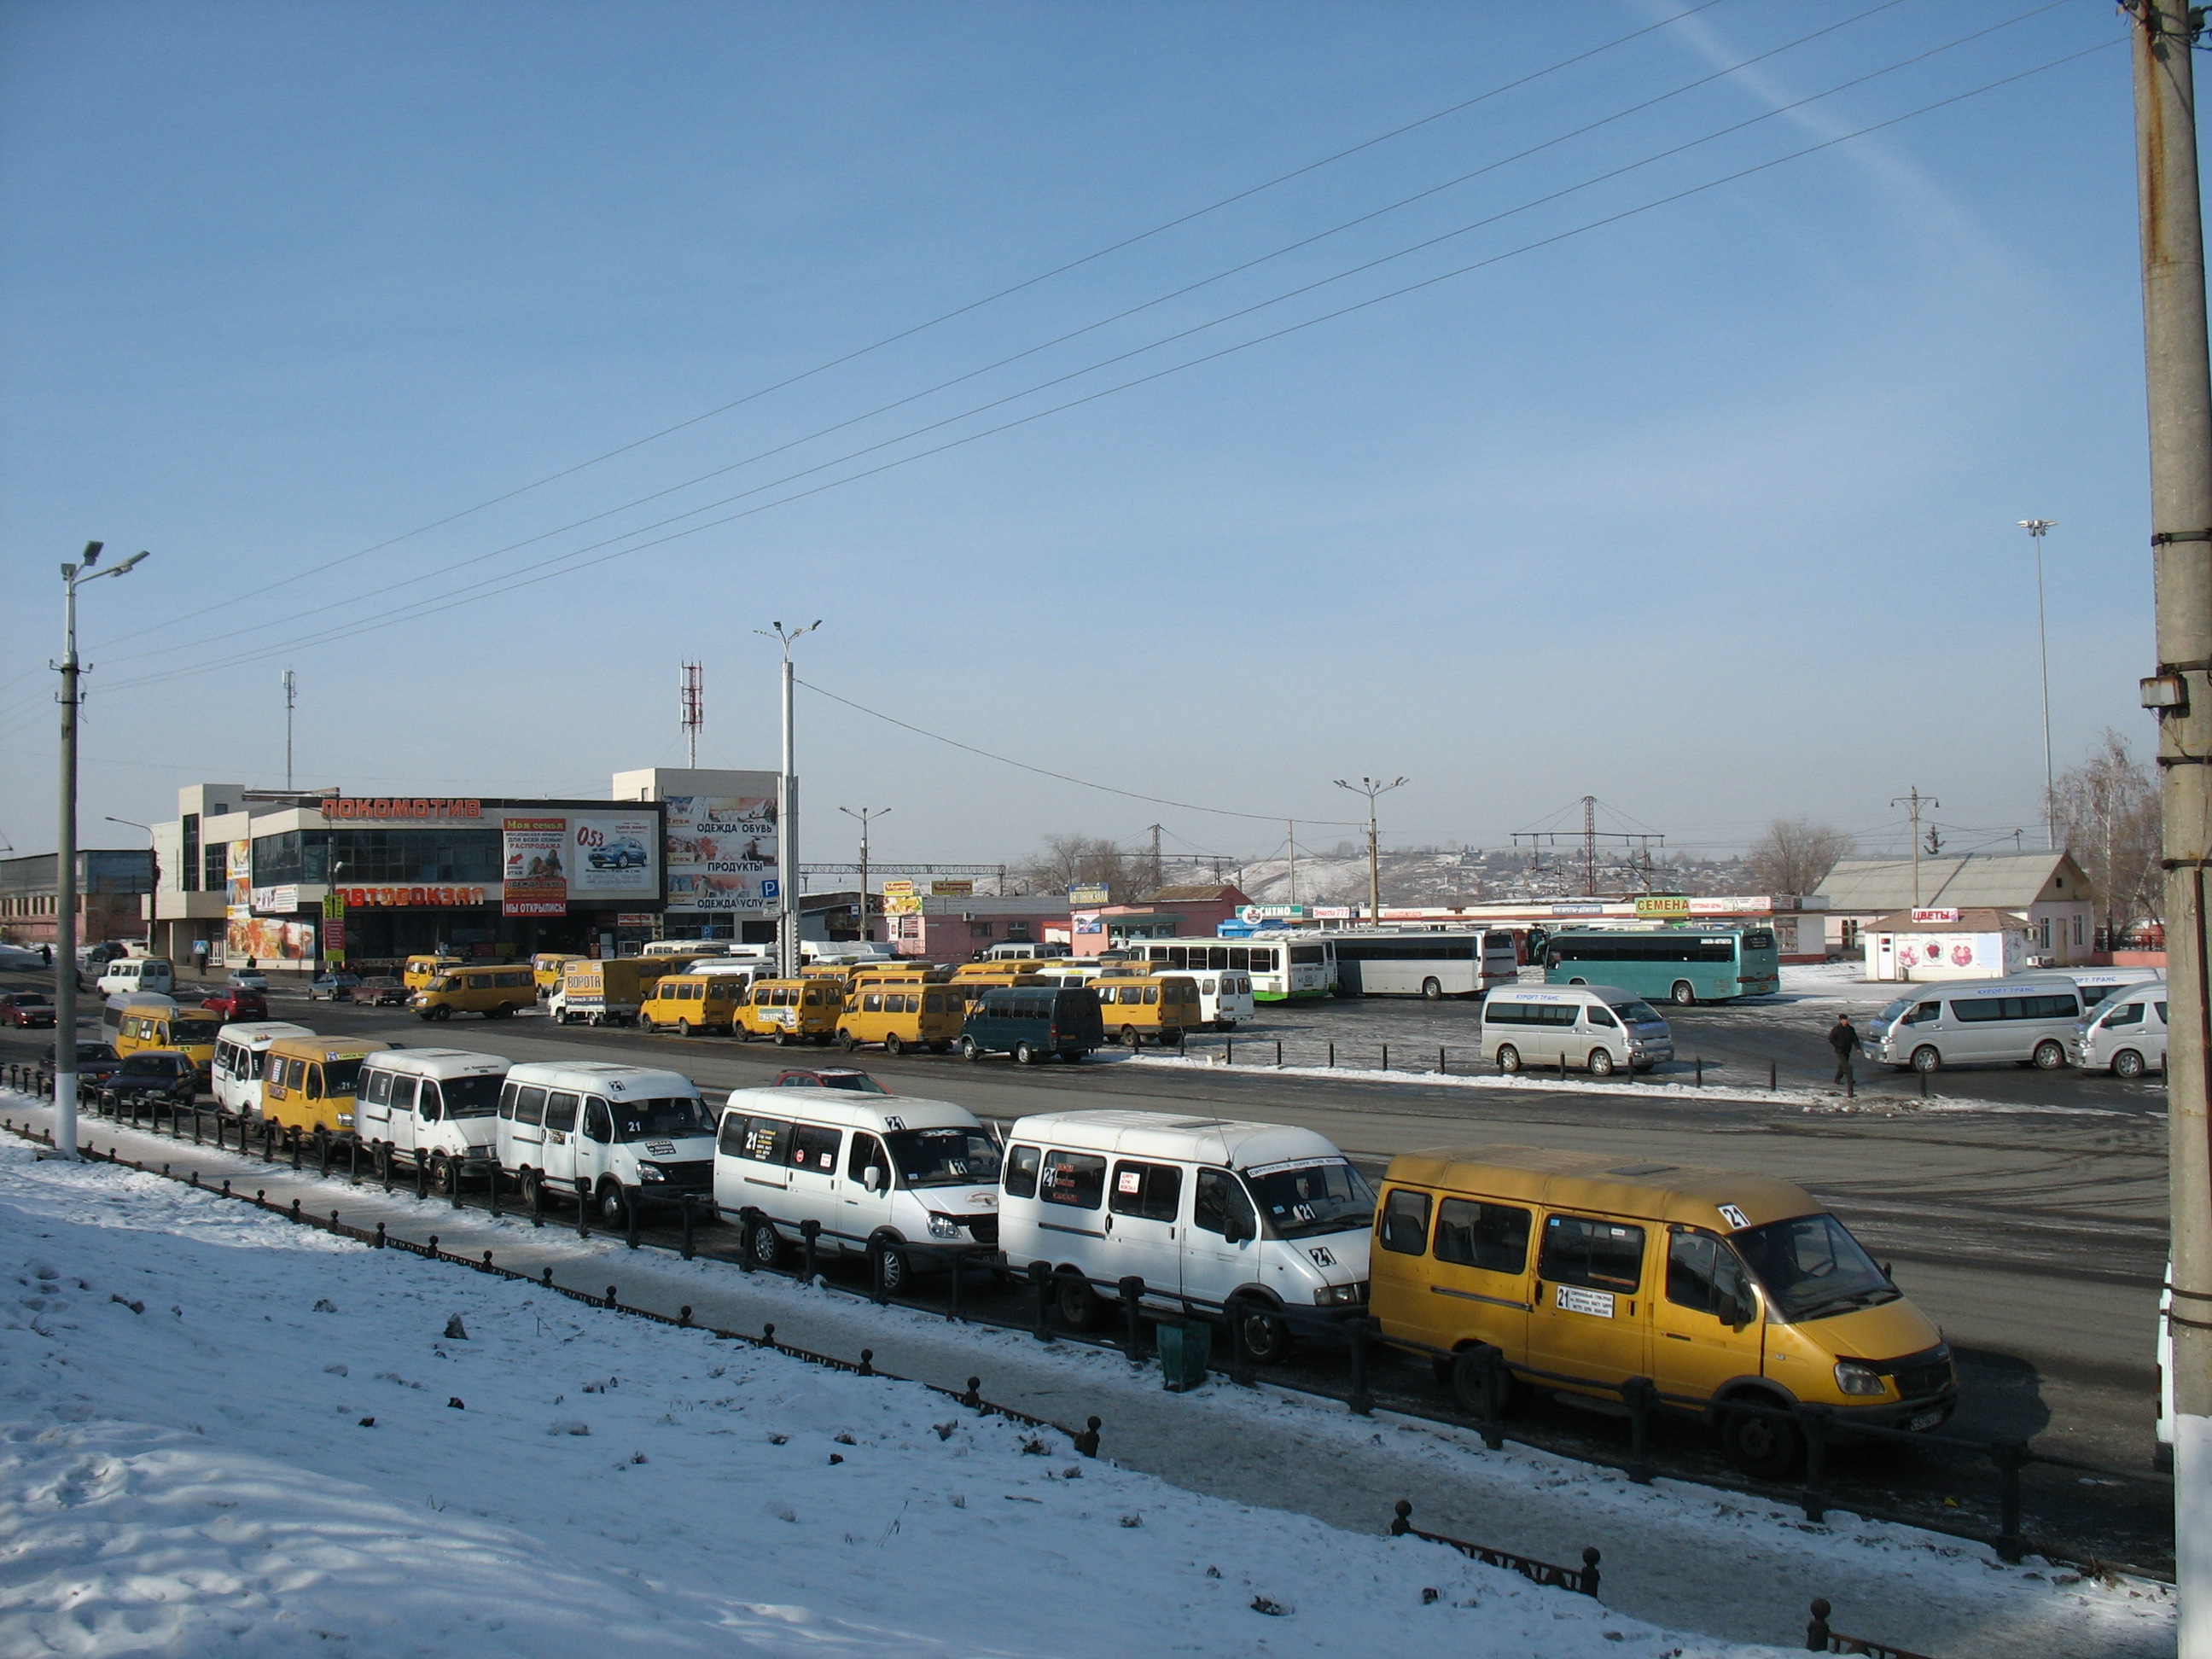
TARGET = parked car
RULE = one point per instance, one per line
(25, 1008)
(237, 1002)
(382, 991)
(333, 987)
(95, 1064)
(829, 1077)
(251, 979)
(153, 1074)
(15, 957)
(623, 855)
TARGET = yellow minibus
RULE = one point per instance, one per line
(789, 1010)
(687, 1004)
(902, 1012)
(308, 1083)
(1140, 1008)
(423, 967)
(495, 993)
(146, 1021)
(545, 969)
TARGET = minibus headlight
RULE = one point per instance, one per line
(1852, 1377)
(651, 1172)
(1337, 1295)
(943, 1226)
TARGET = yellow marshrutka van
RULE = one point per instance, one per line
(495, 993)
(308, 1083)
(422, 967)
(150, 1021)
(545, 969)
(902, 1011)
(1146, 1008)
(1579, 1271)
(687, 1004)
(790, 1011)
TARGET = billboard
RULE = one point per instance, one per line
(612, 855)
(952, 890)
(260, 940)
(722, 852)
(237, 879)
(535, 871)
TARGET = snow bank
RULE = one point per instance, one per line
(224, 1433)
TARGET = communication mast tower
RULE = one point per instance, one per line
(694, 707)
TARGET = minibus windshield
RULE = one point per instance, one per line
(654, 1120)
(1303, 1199)
(1891, 1010)
(951, 1157)
(1813, 1268)
(339, 1076)
(470, 1096)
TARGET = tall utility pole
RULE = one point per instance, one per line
(2035, 528)
(291, 701)
(865, 813)
(65, 855)
(1291, 835)
(2179, 387)
(1590, 845)
(1915, 801)
(1157, 877)
(1371, 788)
(694, 706)
(787, 815)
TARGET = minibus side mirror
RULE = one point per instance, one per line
(872, 1178)
(1732, 1311)
(1236, 1228)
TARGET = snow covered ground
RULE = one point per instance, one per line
(228, 1434)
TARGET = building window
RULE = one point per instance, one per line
(2079, 923)
(188, 876)
(979, 930)
(437, 855)
(2043, 934)
(216, 867)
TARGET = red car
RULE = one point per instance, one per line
(829, 1077)
(238, 1002)
(25, 1008)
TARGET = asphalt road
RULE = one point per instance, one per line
(2032, 1230)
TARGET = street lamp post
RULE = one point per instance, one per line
(865, 813)
(787, 815)
(65, 854)
(2035, 528)
(1371, 788)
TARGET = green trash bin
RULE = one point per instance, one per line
(1184, 1345)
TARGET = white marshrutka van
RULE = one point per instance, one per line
(2096, 984)
(2125, 1036)
(1977, 1021)
(606, 1134)
(128, 974)
(913, 1179)
(1597, 1028)
(235, 1077)
(1219, 1219)
(434, 1107)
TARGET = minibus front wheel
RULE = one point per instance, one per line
(1509, 1057)
(1600, 1062)
(1765, 1447)
(1926, 1059)
(2127, 1065)
(1267, 1338)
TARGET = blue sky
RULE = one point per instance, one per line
(1708, 511)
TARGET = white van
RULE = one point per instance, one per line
(2126, 1035)
(437, 1107)
(1219, 1219)
(2096, 984)
(128, 974)
(237, 1070)
(911, 1178)
(1598, 1028)
(687, 947)
(2027, 1021)
(606, 1134)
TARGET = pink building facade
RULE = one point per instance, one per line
(962, 929)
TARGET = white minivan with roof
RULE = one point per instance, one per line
(2126, 1035)
(2096, 984)
(1220, 1219)
(915, 1182)
(235, 1077)
(606, 1134)
(128, 974)
(1596, 1028)
(437, 1107)
(1977, 1021)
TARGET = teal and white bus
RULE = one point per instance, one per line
(1681, 965)
(1285, 968)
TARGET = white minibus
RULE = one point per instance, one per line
(434, 1107)
(128, 974)
(909, 1178)
(1977, 1021)
(607, 1134)
(236, 1074)
(1598, 1028)
(1221, 1219)
(2096, 984)
(2126, 1035)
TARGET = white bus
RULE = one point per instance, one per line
(1284, 967)
(1379, 962)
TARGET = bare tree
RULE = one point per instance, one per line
(1069, 860)
(1793, 855)
(2107, 812)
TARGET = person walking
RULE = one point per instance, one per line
(1844, 1038)
(47, 955)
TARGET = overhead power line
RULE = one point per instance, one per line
(568, 563)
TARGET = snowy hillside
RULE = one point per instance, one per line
(227, 1435)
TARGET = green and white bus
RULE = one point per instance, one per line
(1285, 968)
(1681, 965)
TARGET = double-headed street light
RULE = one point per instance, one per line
(787, 815)
(73, 576)
(1371, 788)
(2035, 528)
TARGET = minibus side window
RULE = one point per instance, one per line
(429, 1105)
(530, 1105)
(1218, 1197)
(1603, 1254)
(1076, 1179)
(731, 1142)
(1152, 1191)
(1921, 1015)
(872, 1003)
(2128, 1013)
(1022, 1172)
(766, 1139)
(315, 1082)
(813, 1147)
(1599, 1016)
(507, 1092)
(598, 1124)
(561, 1111)
(1492, 1236)
(378, 1090)
(1405, 1223)
(1703, 1273)
(295, 1074)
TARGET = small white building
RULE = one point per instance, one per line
(1935, 943)
(2046, 890)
